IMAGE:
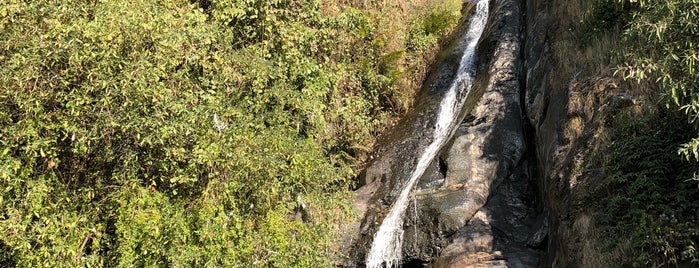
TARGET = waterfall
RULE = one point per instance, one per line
(386, 249)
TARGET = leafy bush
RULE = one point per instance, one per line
(427, 30)
(662, 48)
(177, 133)
(646, 200)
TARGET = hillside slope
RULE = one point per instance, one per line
(196, 133)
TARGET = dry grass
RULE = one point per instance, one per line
(574, 128)
(572, 59)
(600, 57)
(586, 71)
(595, 59)
(593, 255)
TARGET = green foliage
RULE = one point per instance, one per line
(647, 201)
(662, 48)
(604, 16)
(178, 133)
(425, 31)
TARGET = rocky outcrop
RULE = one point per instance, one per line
(567, 108)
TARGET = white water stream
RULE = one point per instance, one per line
(386, 249)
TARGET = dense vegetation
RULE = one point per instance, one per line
(663, 47)
(649, 210)
(196, 133)
(649, 207)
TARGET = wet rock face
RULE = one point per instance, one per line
(476, 201)
(490, 141)
(488, 162)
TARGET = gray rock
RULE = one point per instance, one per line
(487, 160)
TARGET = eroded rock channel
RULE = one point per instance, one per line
(476, 205)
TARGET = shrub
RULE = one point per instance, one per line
(646, 200)
(662, 47)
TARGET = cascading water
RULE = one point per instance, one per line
(386, 249)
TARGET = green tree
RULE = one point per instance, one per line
(663, 47)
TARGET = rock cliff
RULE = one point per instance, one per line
(509, 189)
